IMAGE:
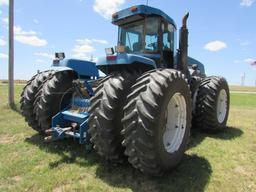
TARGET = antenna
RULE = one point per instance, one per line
(147, 2)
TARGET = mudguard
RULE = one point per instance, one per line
(84, 69)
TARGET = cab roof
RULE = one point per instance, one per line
(138, 12)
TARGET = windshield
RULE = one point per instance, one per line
(141, 36)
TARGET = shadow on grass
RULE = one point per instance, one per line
(69, 151)
(192, 174)
(229, 133)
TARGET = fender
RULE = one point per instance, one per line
(84, 69)
(123, 60)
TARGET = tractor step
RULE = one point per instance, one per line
(74, 117)
(68, 124)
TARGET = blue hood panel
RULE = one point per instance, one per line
(82, 68)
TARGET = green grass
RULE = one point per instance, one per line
(243, 100)
(221, 162)
(243, 88)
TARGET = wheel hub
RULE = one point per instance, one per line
(222, 106)
(176, 122)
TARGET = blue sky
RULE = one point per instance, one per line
(222, 33)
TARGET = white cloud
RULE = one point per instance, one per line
(31, 40)
(3, 56)
(84, 48)
(5, 20)
(249, 60)
(19, 31)
(28, 37)
(247, 3)
(4, 2)
(42, 54)
(100, 41)
(245, 43)
(40, 61)
(215, 46)
(107, 7)
(90, 41)
(35, 21)
(2, 41)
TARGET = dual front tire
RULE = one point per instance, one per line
(44, 96)
(157, 115)
(211, 104)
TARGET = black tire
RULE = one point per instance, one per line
(106, 112)
(28, 97)
(206, 117)
(194, 83)
(53, 96)
(145, 120)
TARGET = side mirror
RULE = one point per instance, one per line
(60, 55)
(110, 51)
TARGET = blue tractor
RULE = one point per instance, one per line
(143, 108)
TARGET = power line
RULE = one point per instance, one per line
(11, 54)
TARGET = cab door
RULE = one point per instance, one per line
(168, 44)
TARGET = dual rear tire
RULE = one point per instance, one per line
(106, 112)
(156, 119)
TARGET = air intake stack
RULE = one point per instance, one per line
(183, 47)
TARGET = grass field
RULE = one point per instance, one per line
(221, 162)
(243, 88)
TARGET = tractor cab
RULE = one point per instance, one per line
(148, 32)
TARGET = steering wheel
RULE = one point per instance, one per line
(154, 45)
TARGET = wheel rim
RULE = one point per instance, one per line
(222, 106)
(176, 122)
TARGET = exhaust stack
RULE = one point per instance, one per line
(183, 47)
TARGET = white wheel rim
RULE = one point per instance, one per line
(222, 106)
(176, 122)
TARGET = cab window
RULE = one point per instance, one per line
(168, 36)
(151, 38)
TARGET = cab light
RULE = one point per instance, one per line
(111, 57)
(115, 15)
(134, 8)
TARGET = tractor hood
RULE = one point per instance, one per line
(82, 68)
(112, 62)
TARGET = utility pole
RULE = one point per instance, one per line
(11, 53)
